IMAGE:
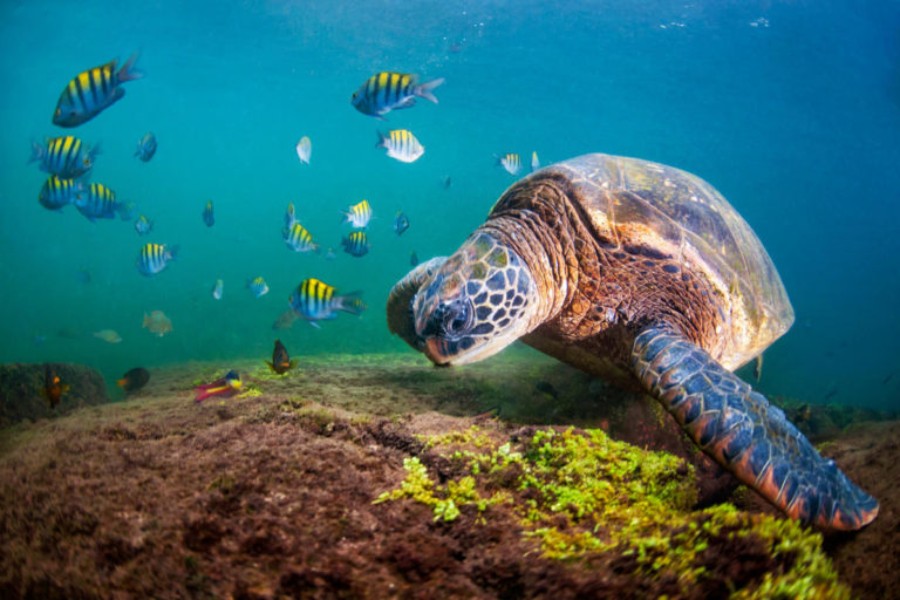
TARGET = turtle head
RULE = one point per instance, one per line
(471, 305)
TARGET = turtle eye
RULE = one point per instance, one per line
(458, 320)
(452, 318)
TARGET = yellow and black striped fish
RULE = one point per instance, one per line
(57, 192)
(154, 258)
(298, 238)
(91, 92)
(315, 300)
(401, 144)
(97, 202)
(356, 244)
(359, 214)
(511, 162)
(387, 91)
(65, 156)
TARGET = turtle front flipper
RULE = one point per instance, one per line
(745, 434)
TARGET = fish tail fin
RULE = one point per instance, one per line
(38, 151)
(424, 90)
(380, 143)
(351, 303)
(129, 72)
(95, 151)
(203, 394)
(173, 251)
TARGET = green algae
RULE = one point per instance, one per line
(580, 493)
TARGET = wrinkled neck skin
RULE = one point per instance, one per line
(530, 238)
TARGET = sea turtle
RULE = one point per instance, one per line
(645, 275)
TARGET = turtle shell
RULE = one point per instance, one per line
(660, 211)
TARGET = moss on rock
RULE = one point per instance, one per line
(578, 494)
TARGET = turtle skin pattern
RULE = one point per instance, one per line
(739, 429)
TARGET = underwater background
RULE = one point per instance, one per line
(790, 109)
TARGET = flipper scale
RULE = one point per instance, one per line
(745, 434)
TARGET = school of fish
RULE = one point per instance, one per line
(70, 165)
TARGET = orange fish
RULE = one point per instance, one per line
(224, 386)
(53, 388)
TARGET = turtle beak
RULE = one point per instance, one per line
(437, 351)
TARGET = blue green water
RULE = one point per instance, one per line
(796, 120)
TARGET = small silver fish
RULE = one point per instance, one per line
(218, 289)
(304, 150)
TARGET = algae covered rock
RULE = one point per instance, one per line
(582, 497)
(21, 385)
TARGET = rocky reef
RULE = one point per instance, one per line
(21, 385)
(377, 477)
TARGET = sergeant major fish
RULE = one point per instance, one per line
(511, 162)
(387, 91)
(298, 239)
(359, 214)
(315, 300)
(153, 258)
(98, 202)
(401, 144)
(66, 156)
(146, 147)
(91, 92)
(57, 193)
(356, 244)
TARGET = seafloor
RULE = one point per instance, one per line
(380, 477)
